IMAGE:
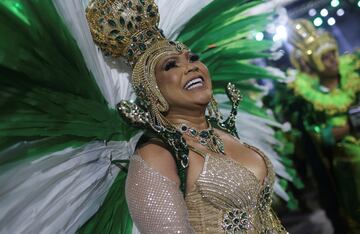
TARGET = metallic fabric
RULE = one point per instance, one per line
(228, 198)
(156, 203)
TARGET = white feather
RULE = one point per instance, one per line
(58, 192)
(111, 75)
(174, 14)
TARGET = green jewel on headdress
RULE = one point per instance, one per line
(124, 28)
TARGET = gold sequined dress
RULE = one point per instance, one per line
(228, 198)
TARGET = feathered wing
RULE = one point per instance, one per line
(219, 33)
(59, 131)
(112, 75)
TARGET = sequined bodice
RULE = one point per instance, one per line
(228, 198)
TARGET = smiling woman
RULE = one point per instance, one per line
(238, 174)
(227, 184)
(184, 81)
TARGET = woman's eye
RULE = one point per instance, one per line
(169, 65)
(194, 57)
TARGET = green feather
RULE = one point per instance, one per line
(217, 14)
(228, 33)
(45, 87)
(223, 45)
(113, 216)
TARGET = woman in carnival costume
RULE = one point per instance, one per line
(326, 87)
(62, 137)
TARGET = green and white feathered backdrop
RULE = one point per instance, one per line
(59, 130)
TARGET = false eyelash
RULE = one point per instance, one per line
(194, 57)
(170, 64)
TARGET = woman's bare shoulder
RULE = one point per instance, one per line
(159, 158)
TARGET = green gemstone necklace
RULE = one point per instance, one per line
(206, 137)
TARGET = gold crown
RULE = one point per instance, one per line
(130, 29)
(309, 44)
(124, 28)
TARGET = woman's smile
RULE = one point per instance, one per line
(184, 81)
(195, 83)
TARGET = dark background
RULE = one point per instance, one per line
(346, 30)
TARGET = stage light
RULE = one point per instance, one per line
(324, 12)
(281, 33)
(335, 3)
(318, 21)
(331, 21)
(358, 3)
(340, 12)
(312, 12)
(259, 36)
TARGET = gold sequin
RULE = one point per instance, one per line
(226, 193)
(155, 202)
(223, 187)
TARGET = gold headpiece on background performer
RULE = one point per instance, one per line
(309, 44)
(129, 28)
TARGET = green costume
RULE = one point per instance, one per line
(314, 111)
(323, 110)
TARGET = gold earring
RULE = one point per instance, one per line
(214, 109)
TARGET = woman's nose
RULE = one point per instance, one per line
(191, 68)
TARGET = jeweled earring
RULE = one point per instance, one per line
(214, 110)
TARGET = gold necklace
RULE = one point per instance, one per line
(206, 137)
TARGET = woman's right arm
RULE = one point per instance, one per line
(155, 202)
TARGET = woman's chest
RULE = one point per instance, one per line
(227, 184)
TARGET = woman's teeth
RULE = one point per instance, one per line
(192, 84)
